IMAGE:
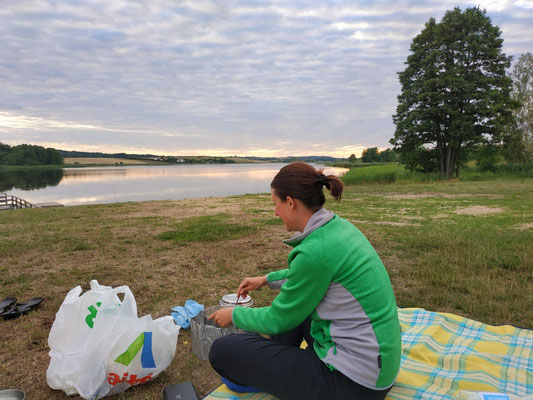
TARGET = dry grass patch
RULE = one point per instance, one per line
(390, 223)
(180, 209)
(410, 196)
(523, 227)
(479, 210)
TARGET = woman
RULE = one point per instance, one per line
(336, 294)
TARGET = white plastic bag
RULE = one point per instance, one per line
(100, 347)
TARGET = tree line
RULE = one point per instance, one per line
(373, 155)
(27, 154)
(457, 103)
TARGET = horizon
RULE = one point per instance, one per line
(358, 153)
(208, 155)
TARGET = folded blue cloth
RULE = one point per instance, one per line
(182, 315)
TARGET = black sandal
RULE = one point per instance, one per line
(7, 303)
(22, 308)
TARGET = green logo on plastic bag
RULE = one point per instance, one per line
(89, 319)
(144, 342)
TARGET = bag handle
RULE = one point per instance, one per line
(127, 304)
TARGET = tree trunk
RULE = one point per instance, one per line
(449, 163)
(441, 159)
(457, 162)
(452, 162)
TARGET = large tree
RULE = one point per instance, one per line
(455, 93)
(518, 142)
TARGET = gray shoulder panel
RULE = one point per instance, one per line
(356, 349)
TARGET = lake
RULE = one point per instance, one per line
(98, 185)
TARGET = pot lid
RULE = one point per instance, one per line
(231, 298)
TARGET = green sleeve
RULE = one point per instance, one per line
(308, 279)
(278, 275)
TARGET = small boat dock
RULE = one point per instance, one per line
(8, 202)
(49, 204)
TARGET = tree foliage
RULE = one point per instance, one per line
(455, 93)
(388, 155)
(518, 141)
(4, 151)
(372, 154)
(26, 154)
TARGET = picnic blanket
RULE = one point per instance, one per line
(444, 353)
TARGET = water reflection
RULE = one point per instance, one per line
(140, 183)
(258, 171)
(29, 179)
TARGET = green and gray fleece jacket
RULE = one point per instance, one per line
(336, 277)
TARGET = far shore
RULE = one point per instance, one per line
(80, 162)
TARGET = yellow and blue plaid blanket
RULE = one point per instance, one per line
(444, 353)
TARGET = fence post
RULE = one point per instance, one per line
(14, 202)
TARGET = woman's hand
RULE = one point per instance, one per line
(223, 317)
(250, 284)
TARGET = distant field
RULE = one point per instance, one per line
(237, 160)
(243, 160)
(103, 160)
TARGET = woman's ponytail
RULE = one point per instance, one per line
(302, 181)
(333, 184)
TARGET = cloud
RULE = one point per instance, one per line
(205, 76)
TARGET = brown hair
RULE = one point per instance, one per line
(303, 182)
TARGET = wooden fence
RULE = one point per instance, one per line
(8, 202)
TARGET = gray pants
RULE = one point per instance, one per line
(280, 367)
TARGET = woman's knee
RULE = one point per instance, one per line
(217, 350)
(224, 349)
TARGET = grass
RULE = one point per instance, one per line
(209, 228)
(387, 173)
(460, 247)
(500, 171)
(396, 173)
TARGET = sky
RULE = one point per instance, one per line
(201, 77)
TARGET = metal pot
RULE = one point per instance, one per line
(204, 332)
